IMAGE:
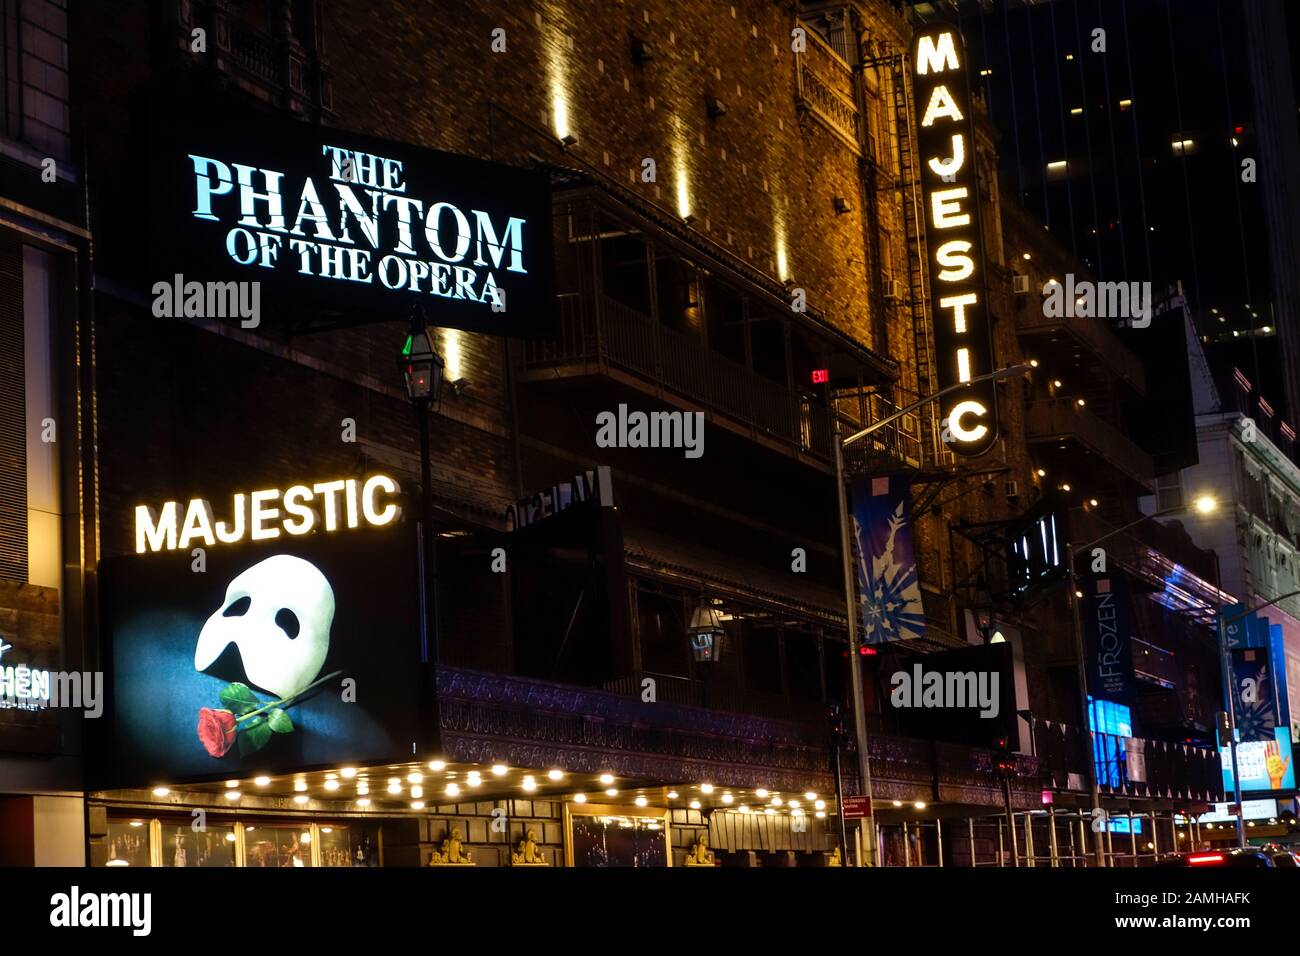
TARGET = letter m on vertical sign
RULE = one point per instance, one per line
(954, 245)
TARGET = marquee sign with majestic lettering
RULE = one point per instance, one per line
(336, 223)
(295, 644)
(344, 503)
(946, 149)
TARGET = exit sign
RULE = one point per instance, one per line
(821, 375)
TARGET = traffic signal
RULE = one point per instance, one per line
(838, 729)
(1004, 761)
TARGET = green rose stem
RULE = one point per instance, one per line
(285, 701)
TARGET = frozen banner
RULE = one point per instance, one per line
(1253, 696)
(889, 591)
(1108, 624)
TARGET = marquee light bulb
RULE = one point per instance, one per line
(500, 769)
(607, 778)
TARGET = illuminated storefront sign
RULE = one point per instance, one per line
(332, 222)
(345, 503)
(22, 687)
(946, 147)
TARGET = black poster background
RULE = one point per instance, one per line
(964, 726)
(178, 242)
(1107, 614)
(154, 607)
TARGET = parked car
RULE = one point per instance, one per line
(1249, 857)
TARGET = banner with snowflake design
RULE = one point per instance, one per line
(1253, 695)
(889, 590)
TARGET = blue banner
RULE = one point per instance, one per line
(889, 591)
(1108, 624)
(1243, 629)
(1253, 696)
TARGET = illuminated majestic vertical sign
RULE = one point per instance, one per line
(946, 150)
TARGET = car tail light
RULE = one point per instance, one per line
(1202, 859)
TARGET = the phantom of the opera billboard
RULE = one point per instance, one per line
(335, 225)
(271, 631)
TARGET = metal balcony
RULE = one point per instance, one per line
(601, 336)
(1060, 421)
(1039, 333)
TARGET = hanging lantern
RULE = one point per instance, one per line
(421, 364)
(706, 632)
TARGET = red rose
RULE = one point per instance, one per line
(216, 730)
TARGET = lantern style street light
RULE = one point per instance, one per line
(421, 365)
(706, 632)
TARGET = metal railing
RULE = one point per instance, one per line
(671, 689)
(1128, 766)
(600, 330)
(1094, 334)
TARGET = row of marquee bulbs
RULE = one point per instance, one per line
(528, 784)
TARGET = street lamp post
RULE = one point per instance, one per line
(1204, 505)
(422, 369)
(850, 584)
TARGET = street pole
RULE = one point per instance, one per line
(427, 540)
(1225, 663)
(839, 800)
(1090, 759)
(850, 584)
(855, 665)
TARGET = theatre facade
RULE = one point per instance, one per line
(354, 605)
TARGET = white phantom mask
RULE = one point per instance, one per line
(278, 613)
